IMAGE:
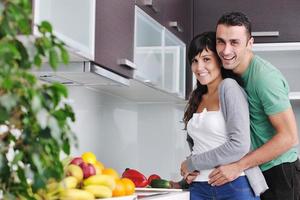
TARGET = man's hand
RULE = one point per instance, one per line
(224, 174)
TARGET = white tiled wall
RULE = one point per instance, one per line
(122, 134)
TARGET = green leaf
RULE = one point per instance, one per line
(45, 27)
(24, 60)
(59, 89)
(7, 83)
(23, 26)
(18, 157)
(9, 51)
(64, 56)
(66, 147)
(4, 114)
(39, 182)
(37, 60)
(53, 58)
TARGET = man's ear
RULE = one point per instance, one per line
(250, 43)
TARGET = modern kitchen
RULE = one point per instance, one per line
(129, 80)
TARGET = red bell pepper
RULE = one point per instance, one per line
(137, 177)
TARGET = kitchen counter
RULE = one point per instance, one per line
(184, 195)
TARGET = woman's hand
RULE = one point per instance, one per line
(191, 177)
(184, 169)
(187, 175)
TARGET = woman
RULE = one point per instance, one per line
(217, 121)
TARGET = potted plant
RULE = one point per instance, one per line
(34, 117)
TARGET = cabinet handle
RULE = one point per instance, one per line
(175, 24)
(265, 34)
(149, 3)
(149, 82)
(126, 62)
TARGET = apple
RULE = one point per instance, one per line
(76, 171)
(77, 161)
(88, 169)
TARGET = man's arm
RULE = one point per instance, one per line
(285, 138)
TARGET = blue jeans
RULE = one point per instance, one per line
(239, 189)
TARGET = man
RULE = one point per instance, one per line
(273, 126)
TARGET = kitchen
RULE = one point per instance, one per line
(133, 117)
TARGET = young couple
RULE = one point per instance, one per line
(222, 121)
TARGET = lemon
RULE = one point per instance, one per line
(89, 157)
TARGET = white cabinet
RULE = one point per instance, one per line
(285, 57)
(159, 55)
(73, 22)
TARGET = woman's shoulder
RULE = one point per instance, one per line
(229, 82)
(231, 87)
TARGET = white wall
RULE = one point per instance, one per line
(122, 134)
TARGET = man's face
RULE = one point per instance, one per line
(233, 45)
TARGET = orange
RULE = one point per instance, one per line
(99, 167)
(89, 157)
(129, 186)
(111, 172)
(120, 189)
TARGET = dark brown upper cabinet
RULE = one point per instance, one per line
(272, 21)
(114, 33)
(154, 8)
(175, 15)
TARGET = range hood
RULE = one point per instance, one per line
(80, 73)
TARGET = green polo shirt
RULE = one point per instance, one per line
(267, 92)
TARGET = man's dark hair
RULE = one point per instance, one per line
(236, 19)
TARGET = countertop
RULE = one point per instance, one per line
(184, 195)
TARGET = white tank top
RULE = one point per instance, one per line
(208, 131)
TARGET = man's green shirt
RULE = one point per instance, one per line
(267, 92)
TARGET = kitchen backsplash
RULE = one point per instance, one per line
(147, 137)
(125, 134)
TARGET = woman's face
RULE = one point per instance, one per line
(206, 67)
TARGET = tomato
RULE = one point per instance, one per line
(152, 177)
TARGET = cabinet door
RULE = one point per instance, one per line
(266, 16)
(73, 22)
(114, 35)
(177, 17)
(153, 8)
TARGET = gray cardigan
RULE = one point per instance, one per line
(234, 107)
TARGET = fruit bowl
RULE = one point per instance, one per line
(129, 197)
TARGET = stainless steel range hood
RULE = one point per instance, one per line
(82, 73)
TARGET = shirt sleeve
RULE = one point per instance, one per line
(234, 106)
(273, 91)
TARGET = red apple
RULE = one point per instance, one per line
(88, 169)
(76, 161)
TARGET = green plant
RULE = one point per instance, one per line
(34, 117)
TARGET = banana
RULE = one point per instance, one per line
(76, 194)
(99, 190)
(68, 183)
(100, 179)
